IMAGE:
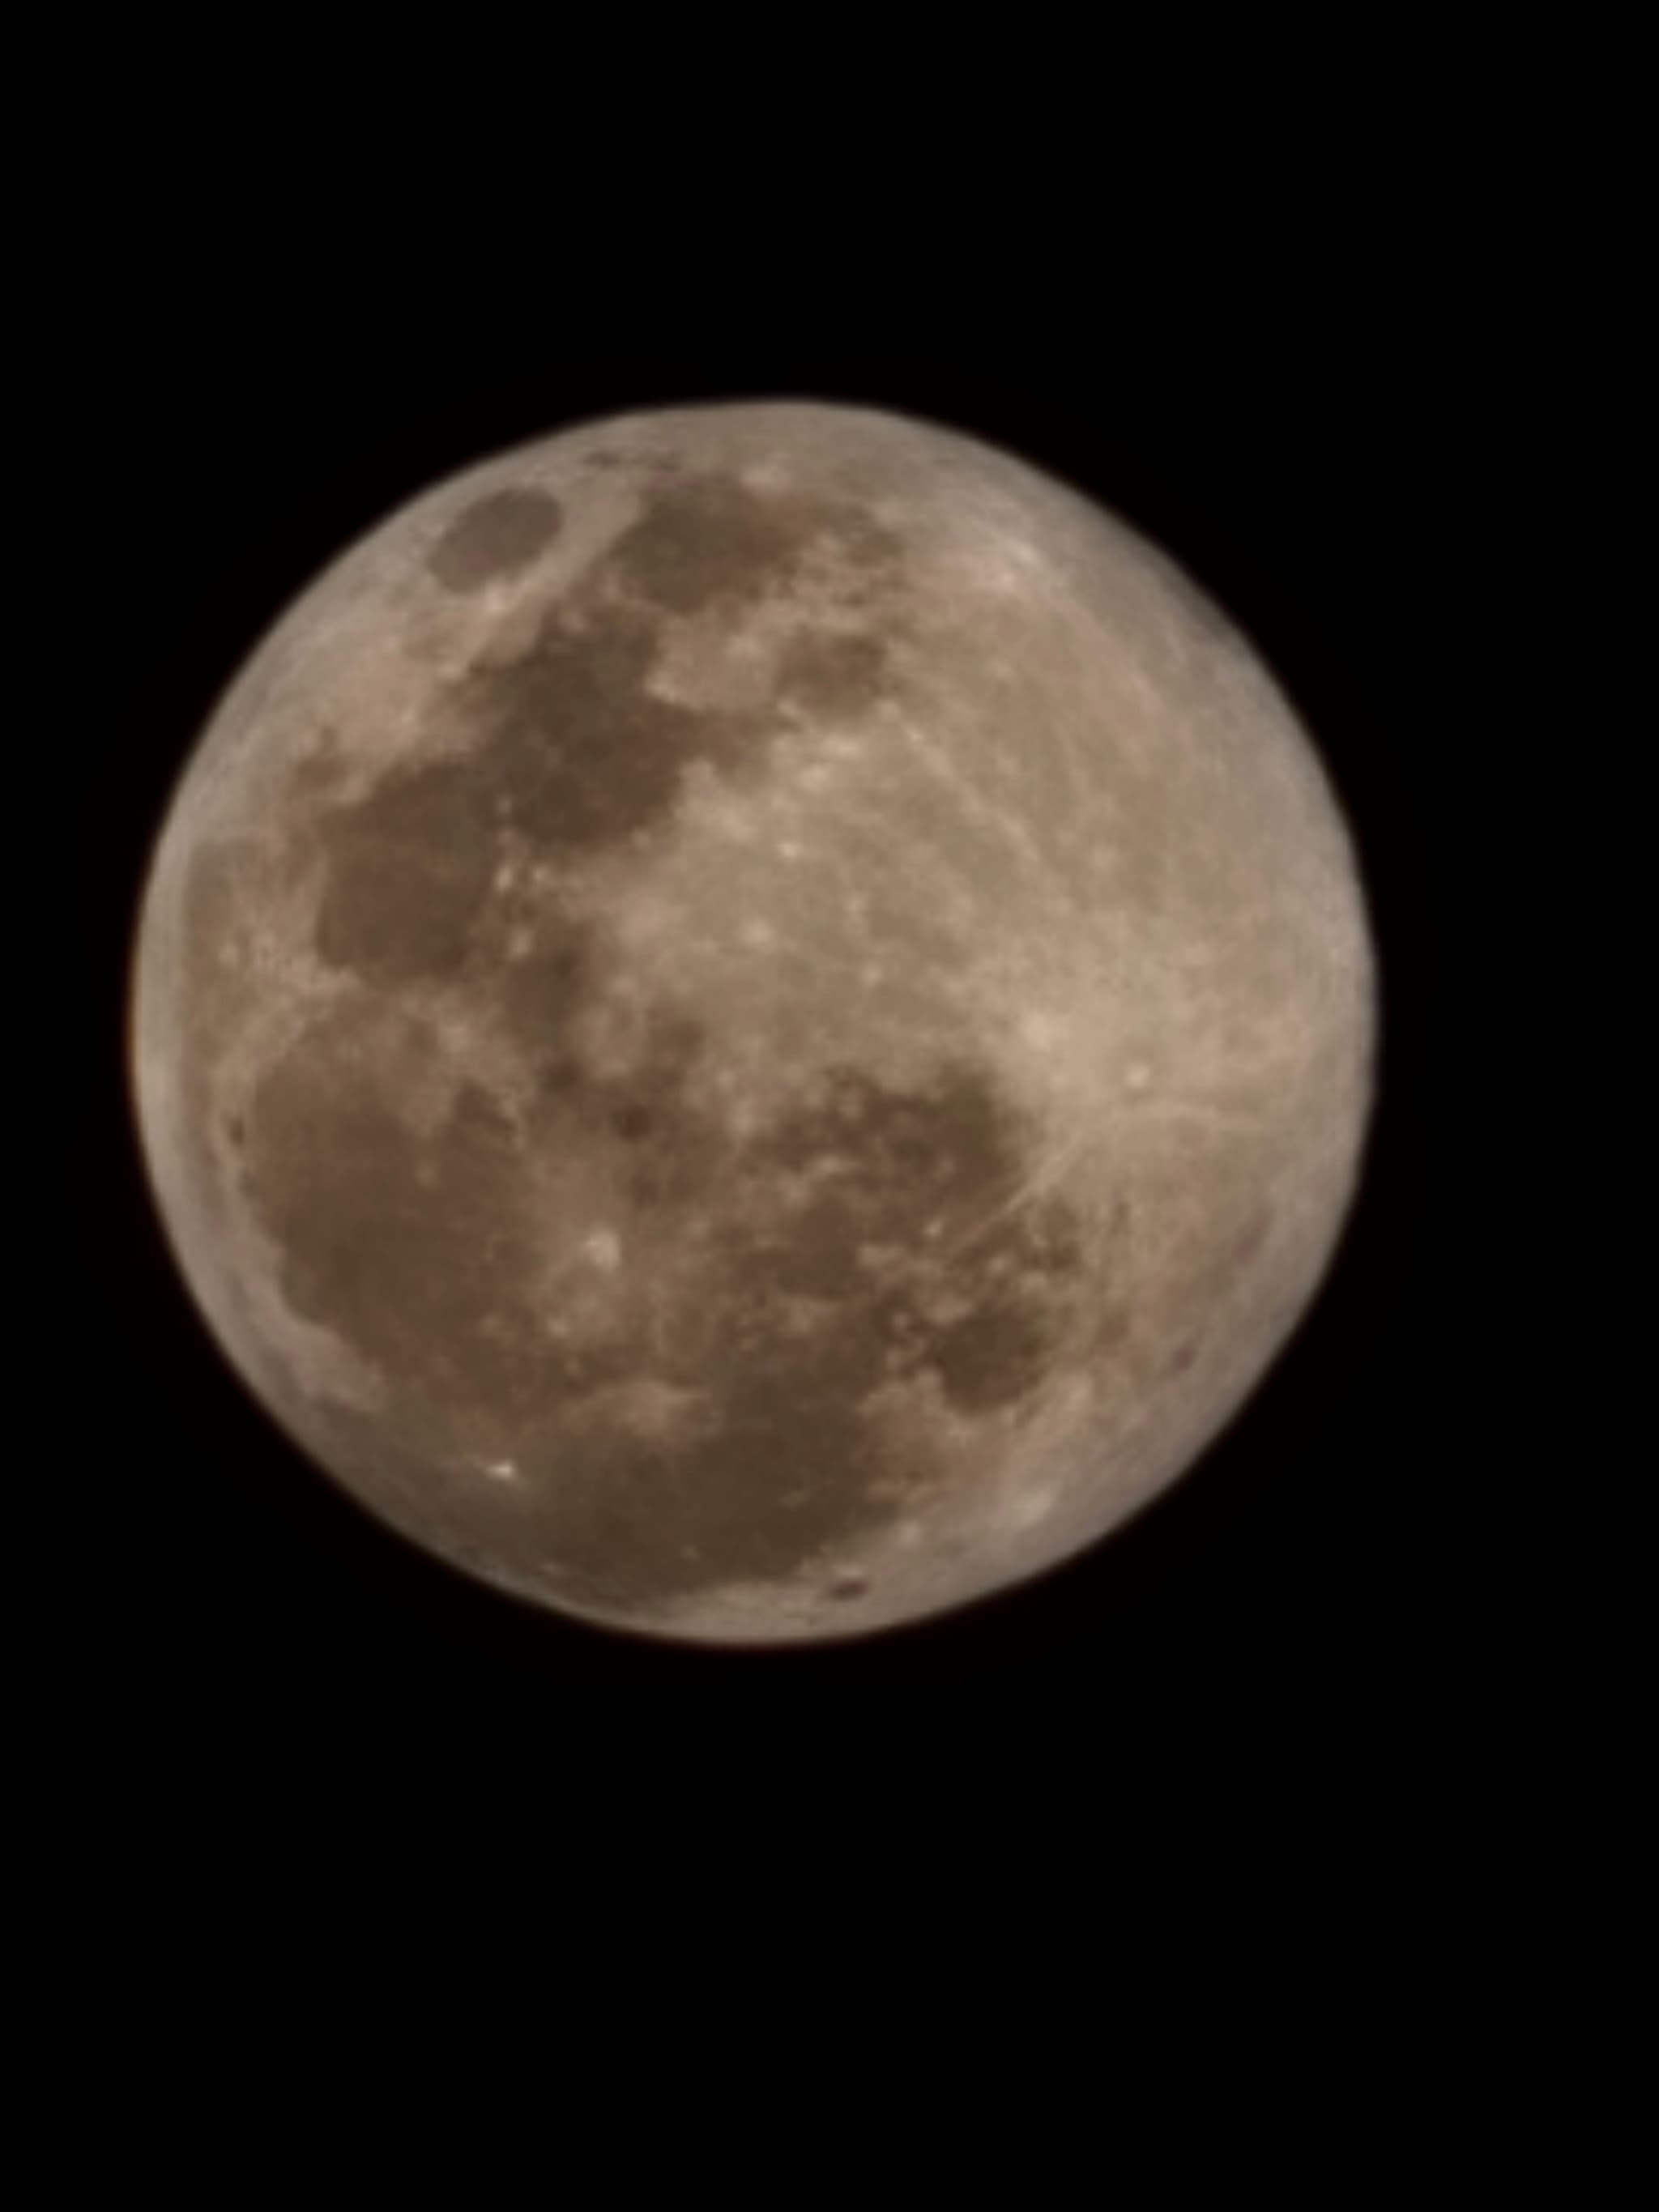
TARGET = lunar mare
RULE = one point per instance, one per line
(753, 1021)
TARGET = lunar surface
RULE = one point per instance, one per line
(753, 1022)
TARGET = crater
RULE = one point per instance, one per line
(497, 536)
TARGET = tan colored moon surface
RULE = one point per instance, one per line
(753, 1021)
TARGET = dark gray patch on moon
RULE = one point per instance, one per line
(497, 536)
(579, 754)
(538, 994)
(414, 1251)
(667, 1153)
(407, 870)
(873, 1238)
(569, 747)
(703, 540)
(932, 1183)
(708, 540)
(417, 1254)
(789, 1334)
(831, 673)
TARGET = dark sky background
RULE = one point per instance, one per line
(1283, 398)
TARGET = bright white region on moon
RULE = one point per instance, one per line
(753, 1021)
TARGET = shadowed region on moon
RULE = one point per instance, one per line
(642, 1328)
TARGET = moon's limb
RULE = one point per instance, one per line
(753, 1021)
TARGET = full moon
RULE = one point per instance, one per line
(753, 1022)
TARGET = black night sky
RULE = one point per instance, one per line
(261, 380)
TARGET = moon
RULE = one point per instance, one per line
(753, 1021)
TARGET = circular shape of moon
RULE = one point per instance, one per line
(753, 1022)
